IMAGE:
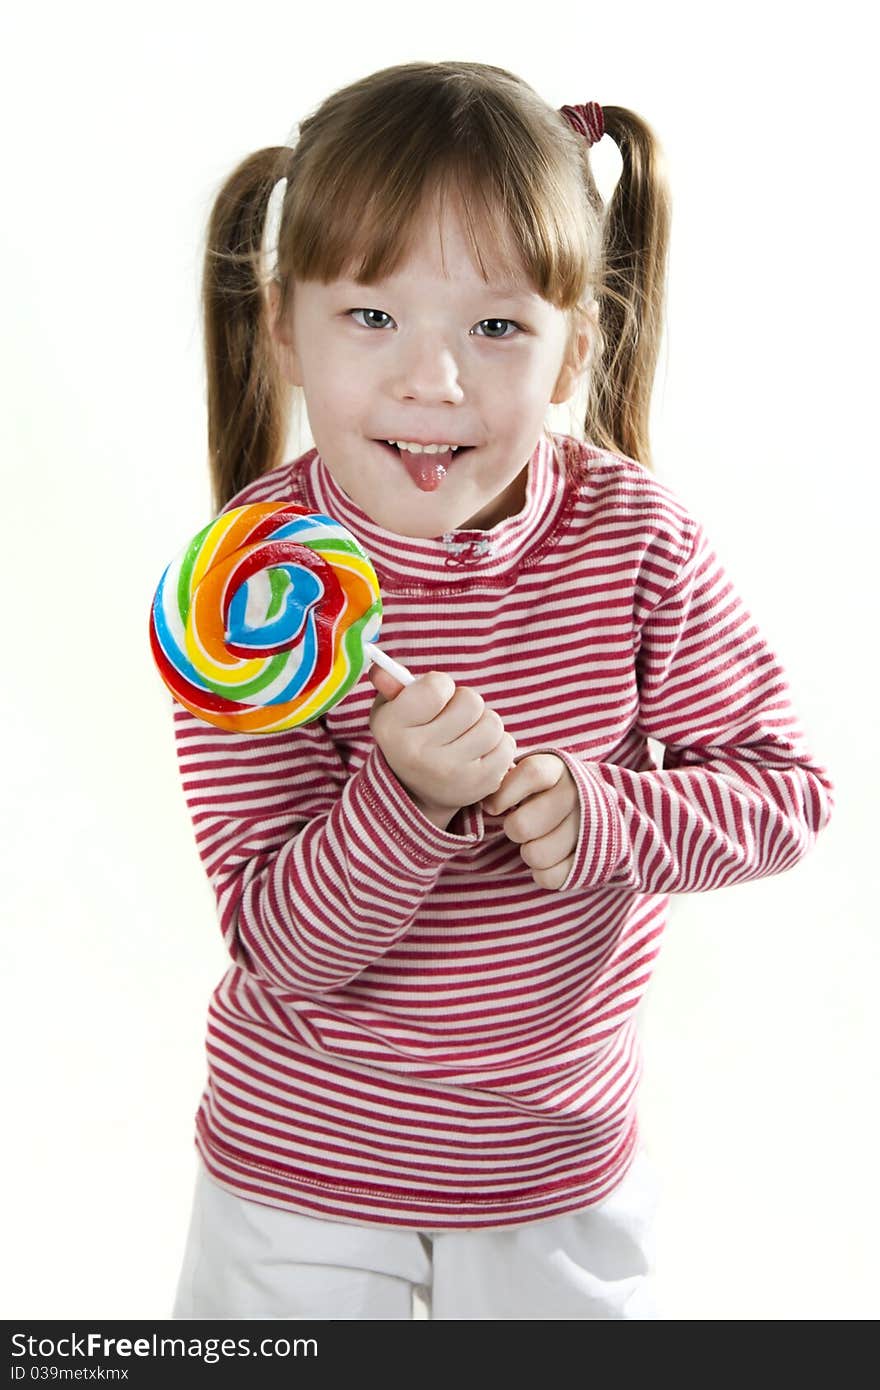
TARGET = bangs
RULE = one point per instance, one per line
(524, 214)
(373, 246)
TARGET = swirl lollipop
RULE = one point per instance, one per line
(267, 619)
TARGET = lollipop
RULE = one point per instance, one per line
(267, 619)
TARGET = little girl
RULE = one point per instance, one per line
(442, 903)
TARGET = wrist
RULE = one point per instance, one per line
(437, 815)
(440, 816)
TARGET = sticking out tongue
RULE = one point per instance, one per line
(426, 470)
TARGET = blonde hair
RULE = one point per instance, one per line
(363, 167)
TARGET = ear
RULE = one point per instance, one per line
(282, 337)
(575, 363)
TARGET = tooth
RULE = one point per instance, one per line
(424, 448)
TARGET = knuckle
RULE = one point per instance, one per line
(470, 702)
(440, 685)
(493, 721)
(528, 856)
(533, 779)
(504, 750)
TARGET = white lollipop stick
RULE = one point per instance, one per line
(394, 668)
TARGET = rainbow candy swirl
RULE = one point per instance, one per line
(260, 624)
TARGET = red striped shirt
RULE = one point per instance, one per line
(412, 1032)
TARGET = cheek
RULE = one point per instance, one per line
(523, 397)
(329, 393)
(525, 375)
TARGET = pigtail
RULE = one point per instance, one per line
(249, 402)
(631, 291)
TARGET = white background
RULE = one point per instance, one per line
(760, 1095)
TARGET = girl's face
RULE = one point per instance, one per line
(429, 356)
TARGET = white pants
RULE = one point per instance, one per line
(247, 1260)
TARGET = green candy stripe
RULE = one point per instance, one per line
(279, 582)
(253, 687)
(336, 543)
(184, 579)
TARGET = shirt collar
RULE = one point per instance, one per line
(459, 557)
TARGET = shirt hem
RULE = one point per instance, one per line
(363, 1204)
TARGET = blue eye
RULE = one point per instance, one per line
(371, 311)
(501, 321)
(498, 337)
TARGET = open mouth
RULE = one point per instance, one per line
(427, 471)
(393, 449)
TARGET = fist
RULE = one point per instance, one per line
(443, 743)
(546, 820)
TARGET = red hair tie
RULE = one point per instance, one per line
(587, 120)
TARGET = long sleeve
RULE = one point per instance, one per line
(316, 872)
(738, 795)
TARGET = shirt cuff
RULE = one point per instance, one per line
(399, 816)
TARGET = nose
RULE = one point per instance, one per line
(427, 371)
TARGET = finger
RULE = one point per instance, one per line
(534, 774)
(421, 702)
(384, 682)
(463, 714)
(481, 738)
(539, 814)
(554, 847)
(492, 804)
(508, 794)
(496, 763)
(555, 877)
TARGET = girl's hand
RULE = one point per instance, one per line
(546, 821)
(443, 743)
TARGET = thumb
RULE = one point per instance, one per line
(385, 683)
